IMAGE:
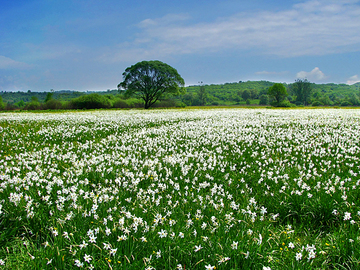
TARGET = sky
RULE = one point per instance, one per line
(87, 44)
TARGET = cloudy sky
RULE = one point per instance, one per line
(87, 44)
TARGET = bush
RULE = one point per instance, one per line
(285, 103)
(264, 100)
(180, 104)
(11, 107)
(2, 105)
(317, 103)
(53, 104)
(135, 103)
(346, 103)
(33, 105)
(165, 104)
(120, 103)
(91, 101)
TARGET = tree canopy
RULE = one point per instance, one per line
(302, 89)
(278, 93)
(151, 80)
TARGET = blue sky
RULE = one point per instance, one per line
(87, 44)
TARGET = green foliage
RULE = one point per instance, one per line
(278, 93)
(302, 88)
(152, 80)
(215, 94)
(264, 100)
(317, 103)
(20, 104)
(354, 99)
(246, 95)
(92, 101)
(325, 100)
(2, 105)
(346, 103)
(53, 104)
(34, 104)
(49, 96)
(201, 98)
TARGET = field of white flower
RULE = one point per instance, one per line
(180, 189)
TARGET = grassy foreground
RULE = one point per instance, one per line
(180, 189)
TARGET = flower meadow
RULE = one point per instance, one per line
(180, 189)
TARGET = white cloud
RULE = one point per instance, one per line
(315, 75)
(354, 79)
(8, 63)
(314, 27)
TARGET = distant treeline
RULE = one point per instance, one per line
(48, 101)
(239, 93)
(256, 92)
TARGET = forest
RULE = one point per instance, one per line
(228, 94)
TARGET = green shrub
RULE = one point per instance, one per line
(53, 104)
(165, 104)
(91, 101)
(264, 100)
(285, 103)
(135, 103)
(120, 103)
(346, 103)
(2, 105)
(317, 103)
(33, 105)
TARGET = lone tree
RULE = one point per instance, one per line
(278, 93)
(151, 80)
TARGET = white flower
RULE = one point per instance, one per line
(234, 245)
(78, 263)
(298, 256)
(347, 216)
(162, 233)
(143, 239)
(106, 246)
(197, 248)
(92, 239)
(87, 258)
(260, 239)
(312, 254)
(209, 267)
(113, 252)
(291, 245)
(66, 235)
